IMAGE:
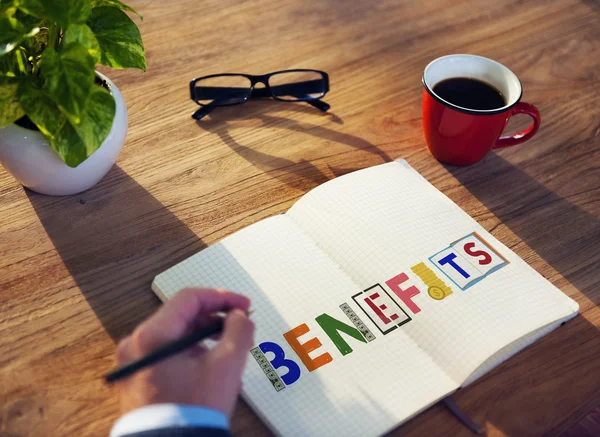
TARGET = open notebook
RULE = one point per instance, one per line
(374, 297)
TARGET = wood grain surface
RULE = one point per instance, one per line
(75, 271)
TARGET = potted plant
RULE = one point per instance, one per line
(62, 124)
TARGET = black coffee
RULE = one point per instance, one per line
(470, 93)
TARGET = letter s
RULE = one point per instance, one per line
(486, 256)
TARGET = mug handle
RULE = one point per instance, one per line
(524, 135)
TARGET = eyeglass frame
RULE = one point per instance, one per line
(264, 92)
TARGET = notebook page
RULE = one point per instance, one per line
(291, 281)
(511, 350)
(382, 222)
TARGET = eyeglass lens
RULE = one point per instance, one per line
(223, 90)
(297, 85)
(289, 86)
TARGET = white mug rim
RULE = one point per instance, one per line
(448, 104)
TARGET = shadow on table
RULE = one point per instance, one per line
(301, 175)
(562, 233)
(519, 397)
(114, 238)
(566, 237)
(593, 4)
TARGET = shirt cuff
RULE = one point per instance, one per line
(168, 416)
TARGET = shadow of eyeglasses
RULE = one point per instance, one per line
(298, 174)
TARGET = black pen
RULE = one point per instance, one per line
(166, 351)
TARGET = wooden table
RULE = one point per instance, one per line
(76, 271)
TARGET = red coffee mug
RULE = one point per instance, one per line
(462, 136)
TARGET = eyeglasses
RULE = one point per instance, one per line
(233, 89)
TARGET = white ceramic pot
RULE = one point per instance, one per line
(28, 157)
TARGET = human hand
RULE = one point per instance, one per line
(198, 376)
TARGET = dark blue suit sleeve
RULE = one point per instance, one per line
(182, 432)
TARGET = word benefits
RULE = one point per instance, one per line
(464, 263)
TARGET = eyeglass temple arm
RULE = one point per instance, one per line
(202, 112)
(287, 90)
(205, 110)
(293, 90)
(319, 104)
(299, 90)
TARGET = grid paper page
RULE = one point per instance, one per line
(291, 281)
(379, 222)
(510, 350)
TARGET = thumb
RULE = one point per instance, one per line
(238, 335)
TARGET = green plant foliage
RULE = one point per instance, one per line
(72, 142)
(48, 53)
(119, 38)
(115, 4)
(82, 34)
(13, 33)
(60, 12)
(11, 108)
(68, 77)
(14, 64)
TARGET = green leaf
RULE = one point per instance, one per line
(68, 77)
(14, 63)
(29, 21)
(41, 109)
(8, 7)
(119, 38)
(9, 102)
(61, 12)
(73, 143)
(115, 4)
(12, 32)
(98, 118)
(82, 34)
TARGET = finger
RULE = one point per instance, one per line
(124, 353)
(183, 310)
(197, 351)
(179, 315)
(237, 336)
(215, 337)
(205, 320)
